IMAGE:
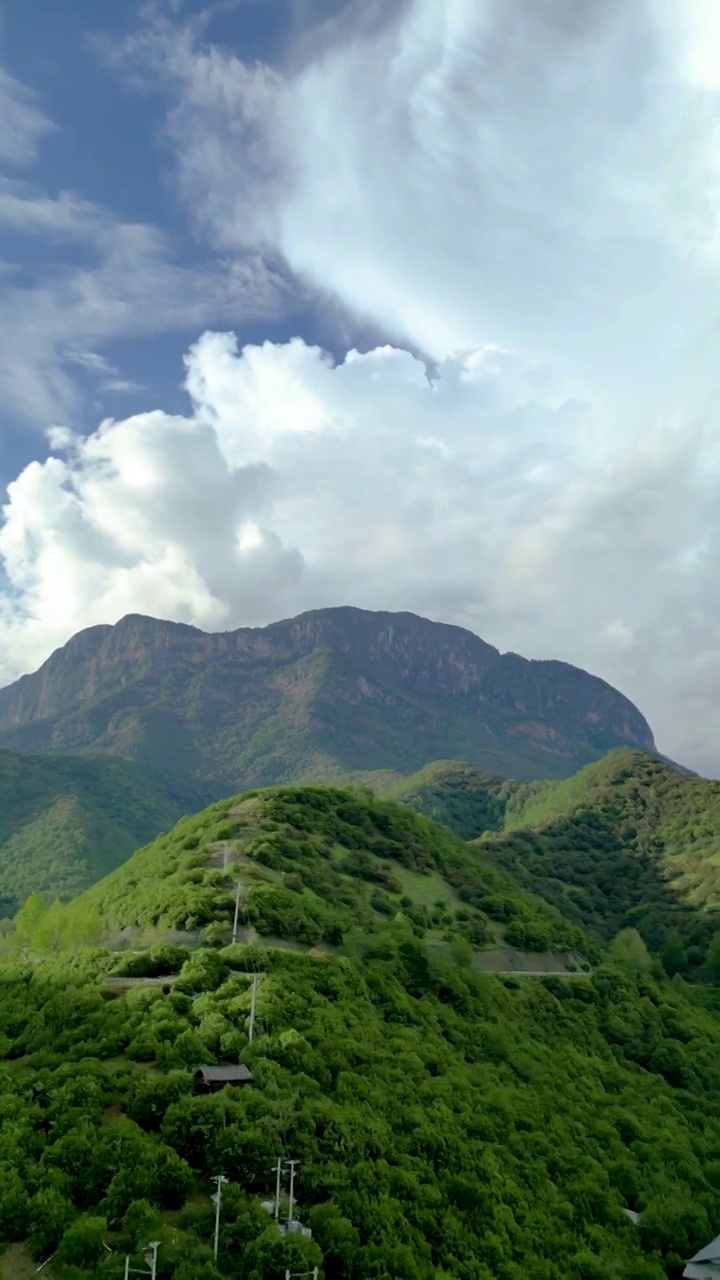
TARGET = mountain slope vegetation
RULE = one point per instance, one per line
(419, 1095)
(461, 797)
(628, 841)
(313, 699)
(65, 822)
(315, 863)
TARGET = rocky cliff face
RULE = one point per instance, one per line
(332, 691)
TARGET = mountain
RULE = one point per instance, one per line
(444, 1123)
(67, 821)
(316, 698)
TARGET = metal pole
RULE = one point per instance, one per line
(153, 1264)
(237, 911)
(220, 1179)
(127, 1265)
(277, 1190)
(253, 1002)
(292, 1164)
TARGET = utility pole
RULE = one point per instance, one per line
(220, 1179)
(253, 1003)
(152, 1258)
(237, 911)
(277, 1188)
(292, 1164)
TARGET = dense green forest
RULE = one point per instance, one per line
(67, 821)
(628, 841)
(459, 796)
(315, 862)
(420, 1097)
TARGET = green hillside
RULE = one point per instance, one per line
(461, 797)
(67, 821)
(316, 863)
(627, 841)
(420, 1096)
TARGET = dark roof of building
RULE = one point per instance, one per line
(225, 1075)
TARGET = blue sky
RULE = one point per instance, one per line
(408, 306)
(104, 144)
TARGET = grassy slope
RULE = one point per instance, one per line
(317, 862)
(67, 821)
(422, 1099)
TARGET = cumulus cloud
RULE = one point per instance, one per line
(475, 497)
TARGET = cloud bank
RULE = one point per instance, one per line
(477, 497)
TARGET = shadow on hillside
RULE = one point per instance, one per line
(602, 882)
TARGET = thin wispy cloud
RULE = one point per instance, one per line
(105, 279)
(23, 124)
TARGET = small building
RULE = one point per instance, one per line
(705, 1264)
(295, 1228)
(212, 1078)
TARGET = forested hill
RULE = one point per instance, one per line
(461, 797)
(67, 821)
(316, 863)
(628, 841)
(449, 1125)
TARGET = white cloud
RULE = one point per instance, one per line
(540, 176)
(295, 483)
(22, 121)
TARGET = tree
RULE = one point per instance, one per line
(712, 959)
(673, 954)
(82, 1244)
(628, 950)
(27, 921)
(14, 1205)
